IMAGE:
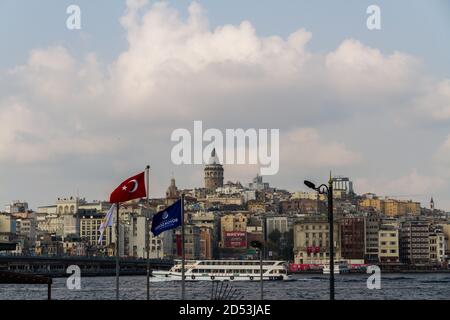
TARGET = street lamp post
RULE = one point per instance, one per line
(328, 190)
(147, 233)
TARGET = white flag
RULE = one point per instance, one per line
(108, 222)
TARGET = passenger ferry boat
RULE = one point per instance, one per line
(339, 267)
(226, 270)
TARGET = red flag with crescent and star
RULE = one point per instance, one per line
(132, 188)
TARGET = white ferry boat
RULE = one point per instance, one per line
(225, 270)
(339, 267)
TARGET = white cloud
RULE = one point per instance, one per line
(442, 157)
(168, 56)
(415, 183)
(412, 185)
(360, 73)
(55, 78)
(435, 103)
(29, 136)
(16, 120)
(305, 148)
(48, 74)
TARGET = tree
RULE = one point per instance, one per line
(275, 236)
(281, 244)
(287, 245)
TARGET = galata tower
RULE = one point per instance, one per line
(213, 173)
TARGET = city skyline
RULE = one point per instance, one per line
(218, 185)
(371, 105)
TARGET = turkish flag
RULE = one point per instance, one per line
(132, 188)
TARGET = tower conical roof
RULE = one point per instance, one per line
(213, 159)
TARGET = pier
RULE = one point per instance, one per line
(89, 266)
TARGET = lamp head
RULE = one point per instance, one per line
(309, 184)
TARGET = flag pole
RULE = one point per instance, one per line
(117, 251)
(183, 257)
(147, 233)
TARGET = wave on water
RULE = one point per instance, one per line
(162, 279)
(397, 278)
(318, 278)
(308, 279)
(350, 280)
(436, 281)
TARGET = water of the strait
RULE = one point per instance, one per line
(304, 286)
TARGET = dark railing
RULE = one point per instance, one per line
(7, 277)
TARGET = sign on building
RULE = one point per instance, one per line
(235, 239)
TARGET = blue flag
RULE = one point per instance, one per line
(167, 219)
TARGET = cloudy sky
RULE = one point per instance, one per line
(80, 110)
